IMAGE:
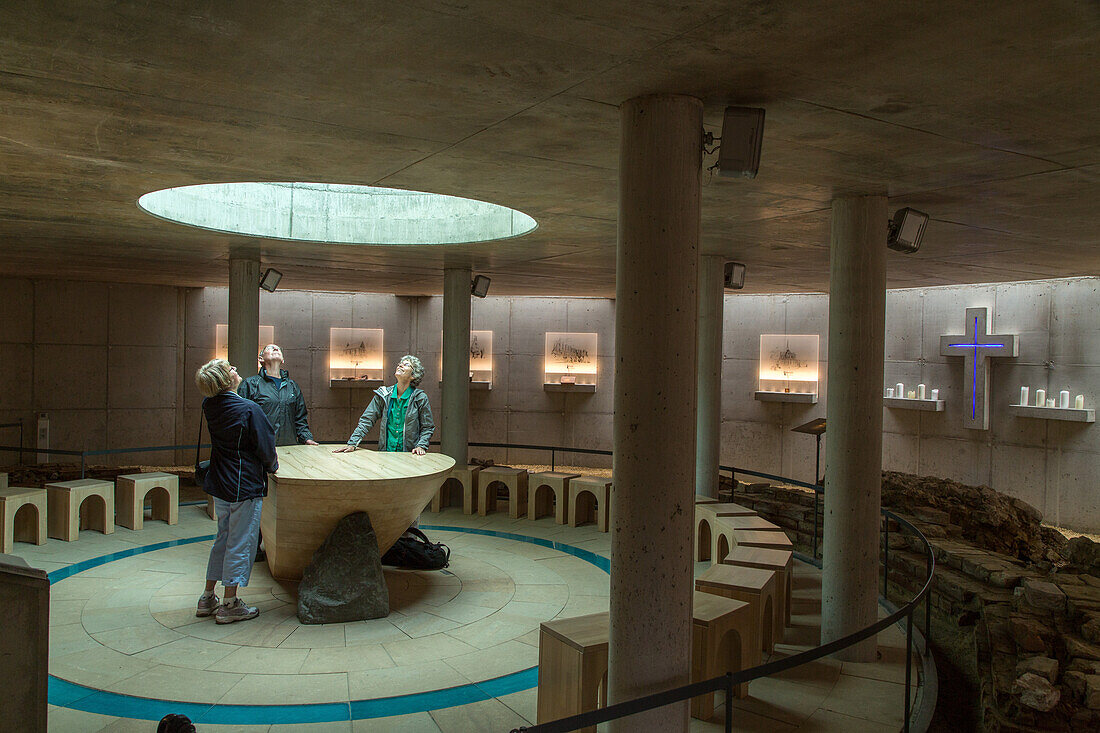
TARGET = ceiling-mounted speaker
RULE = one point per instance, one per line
(734, 276)
(742, 136)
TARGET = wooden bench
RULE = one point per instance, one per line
(724, 639)
(514, 479)
(23, 514)
(755, 523)
(599, 511)
(65, 502)
(130, 493)
(572, 666)
(751, 585)
(467, 479)
(555, 498)
(706, 516)
(779, 561)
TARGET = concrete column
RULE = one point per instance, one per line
(655, 327)
(853, 451)
(708, 375)
(244, 313)
(454, 424)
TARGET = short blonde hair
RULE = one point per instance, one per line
(213, 377)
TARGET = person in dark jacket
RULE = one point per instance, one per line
(242, 453)
(280, 398)
(407, 423)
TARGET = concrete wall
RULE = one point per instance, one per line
(112, 364)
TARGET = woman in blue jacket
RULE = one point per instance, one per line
(242, 454)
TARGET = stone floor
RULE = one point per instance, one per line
(455, 655)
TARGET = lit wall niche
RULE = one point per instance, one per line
(354, 355)
(570, 361)
(481, 359)
(221, 345)
(789, 366)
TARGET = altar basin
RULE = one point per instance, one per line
(315, 488)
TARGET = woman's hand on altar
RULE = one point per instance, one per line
(344, 449)
(418, 451)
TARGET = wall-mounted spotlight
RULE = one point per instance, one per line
(270, 279)
(906, 230)
(734, 276)
(479, 286)
(742, 137)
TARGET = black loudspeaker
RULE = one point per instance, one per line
(734, 278)
(742, 136)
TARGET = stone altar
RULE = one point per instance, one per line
(316, 488)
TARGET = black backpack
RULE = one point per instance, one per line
(413, 550)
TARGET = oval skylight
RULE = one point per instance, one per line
(341, 214)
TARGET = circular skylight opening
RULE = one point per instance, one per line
(341, 214)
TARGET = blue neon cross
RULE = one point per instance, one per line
(976, 349)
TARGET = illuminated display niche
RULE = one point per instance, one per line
(355, 357)
(481, 359)
(570, 362)
(221, 345)
(788, 367)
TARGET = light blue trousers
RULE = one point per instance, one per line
(235, 546)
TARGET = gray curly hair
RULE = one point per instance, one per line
(417, 367)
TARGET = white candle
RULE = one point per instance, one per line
(912, 395)
(920, 391)
(1063, 399)
(935, 394)
(1050, 402)
(1079, 402)
(1023, 395)
(899, 389)
(1040, 397)
(889, 391)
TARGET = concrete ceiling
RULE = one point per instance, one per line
(985, 114)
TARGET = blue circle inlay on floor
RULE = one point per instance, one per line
(63, 693)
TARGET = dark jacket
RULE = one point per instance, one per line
(419, 423)
(284, 406)
(243, 448)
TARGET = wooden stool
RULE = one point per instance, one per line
(700, 499)
(706, 540)
(558, 484)
(572, 667)
(750, 523)
(131, 490)
(65, 500)
(765, 539)
(723, 639)
(751, 585)
(515, 479)
(22, 526)
(600, 489)
(467, 479)
(781, 562)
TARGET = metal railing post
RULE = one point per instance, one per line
(886, 559)
(81, 464)
(908, 666)
(928, 604)
(553, 455)
(816, 495)
(729, 702)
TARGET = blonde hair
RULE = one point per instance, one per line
(213, 377)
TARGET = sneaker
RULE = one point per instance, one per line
(208, 605)
(236, 610)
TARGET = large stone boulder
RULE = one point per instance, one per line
(344, 580)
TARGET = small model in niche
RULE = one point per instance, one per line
(787, 362)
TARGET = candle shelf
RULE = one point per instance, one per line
(556, 387)
(804, 397)
(1072, 414)
(906, 403)
(354, 383)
